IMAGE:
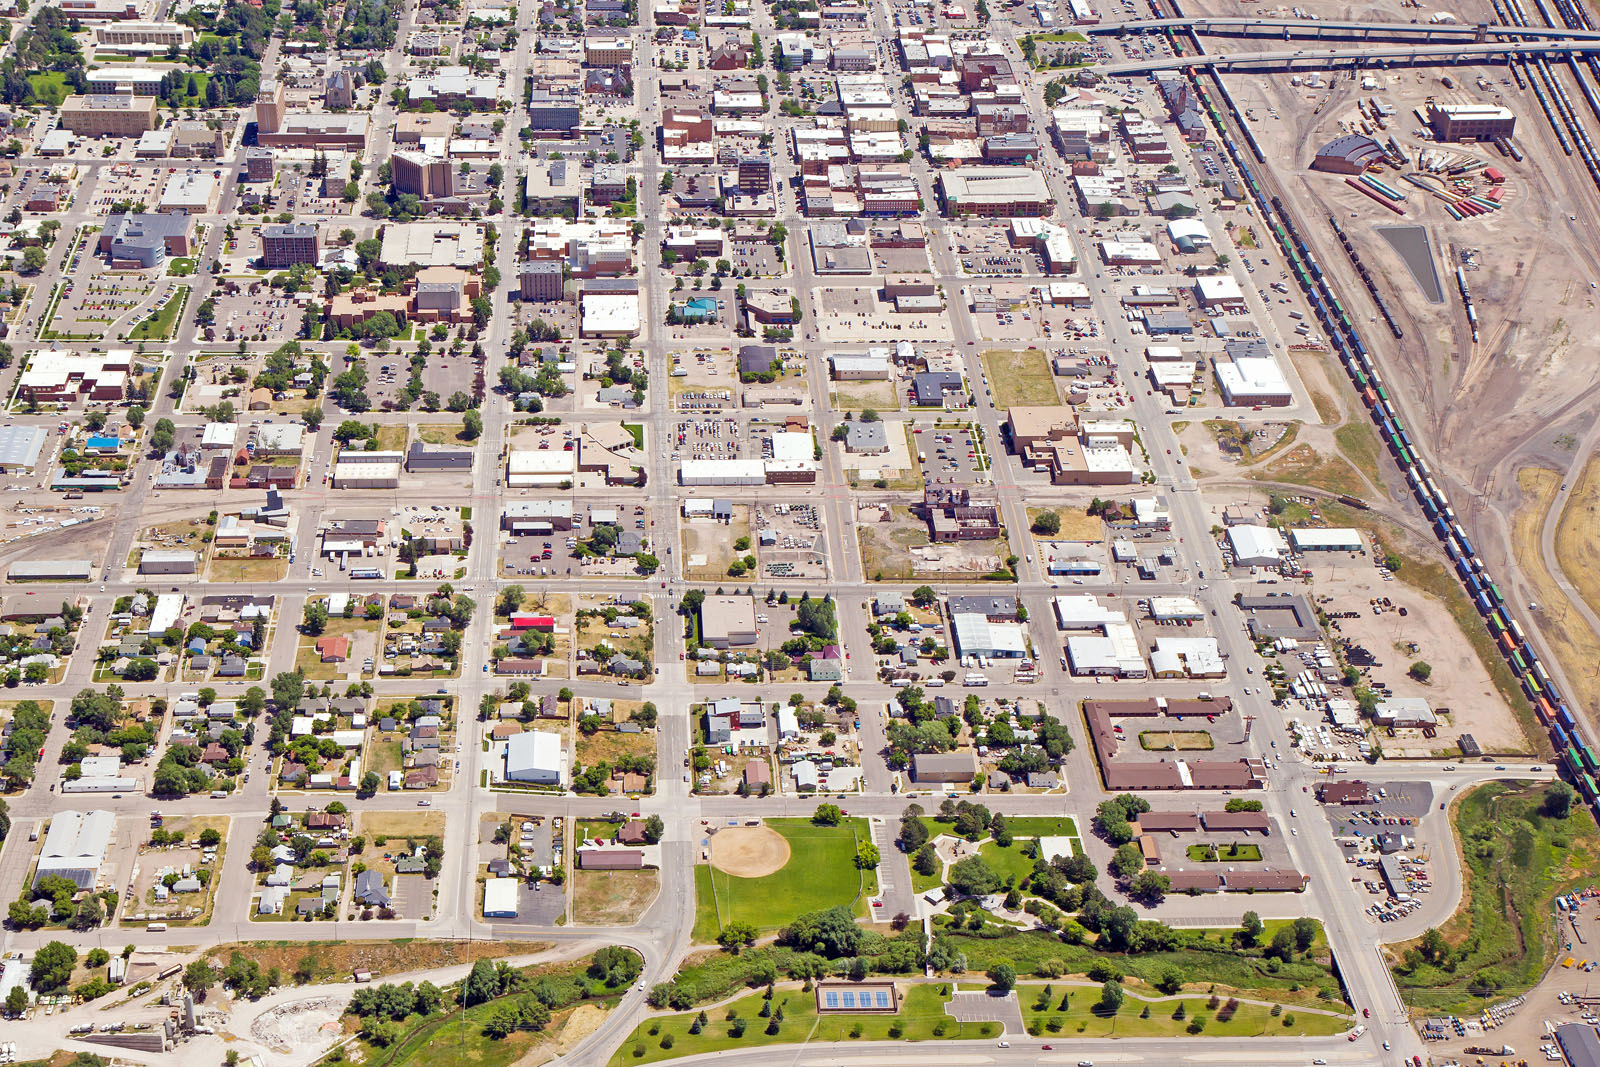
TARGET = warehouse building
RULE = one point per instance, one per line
(356, 471)
(528, 468)
(728, 621)
(534, 756)
(168, 561)
(975, 635)
(1325, 540)
(1256, 546)
(950, 767)
(20, 447)
(1253, 381)
(50, 570)
(500, 898)
(722, 472)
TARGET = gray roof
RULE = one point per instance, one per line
(865, 436)
(20, 447)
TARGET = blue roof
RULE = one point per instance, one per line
(103, 442)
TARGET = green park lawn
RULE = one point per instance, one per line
(159, 325)
(821, 873)
(921, 1013)
(1082, 1016)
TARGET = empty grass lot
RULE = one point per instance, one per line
(1231, 852)
(1074, 1012)
(1076, 524)
(160, 324)
(1175, 740)
(1502, 938)
(1020, 379)
(921, 1013)
(821, 873)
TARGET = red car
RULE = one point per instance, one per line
(1366, 1013)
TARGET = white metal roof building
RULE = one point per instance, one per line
(168, 561)
(1081, 611)
(529, 467)
(1192, 657)
(975, 635)
(164, 616)
(75, 846)
(534, 756)
(1306, 539)
(722, 472)
(1115, 654)
(20, 447)
(1256, 546)
(352, 474)
(1252, 381)
(500, 898)
(1174, 609)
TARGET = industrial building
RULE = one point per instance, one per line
(50, 570)
(1306, 539)
(1256, 546)
(728, 621)
(534, 757)
(367, 470)
(1470, 122)
(1350, 154)
(20, 447)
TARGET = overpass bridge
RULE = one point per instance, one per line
(1284, 29)
(1385, 55)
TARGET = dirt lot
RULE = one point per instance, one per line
(857, 396)
(612, 898)
(714, 540)
(1458, 682)
(1076, 524)
(333, 961)
(1020, 379)
(894, 545)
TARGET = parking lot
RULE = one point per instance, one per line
(950, 454)
(126, 183)
(709, 437)
(254, 312)
(790, 541)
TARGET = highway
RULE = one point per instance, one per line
(1304, 59)
(1248, 26)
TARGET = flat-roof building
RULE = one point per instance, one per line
(728, 621)
(995, 192)
(116, 116)
(1470, 122)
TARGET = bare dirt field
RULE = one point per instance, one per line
(613, 898)
(714, 541)
(749, 851)
(1578, 535)
(1459, 681)
(335, 961)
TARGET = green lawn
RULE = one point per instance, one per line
(1042, 826)
(159, 325)
(921, 1014)
(50, 87)
(1501, 941)
(1231, 852)
(1020, 379)
(1080, 1017)
(1199, 955)
(821, 873)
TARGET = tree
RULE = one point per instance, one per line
(1433, 947)
(315, 617)
(1305, 933)
(313, 419)
(198, 977)
(287, 688)
(52, 966)
(973, 877)
(482, 984)
(1250, 928)
(16, 1000)
(471, 426)
(1002, 976)
(1048, 524)
(162, 435)
(1110, 998)
(1558, 800)
(1126, 862)
(826, 815)
(34, 259)
(913, 831)
(736, 935)
(653, 829)
(1149, 886)
(1421, 671)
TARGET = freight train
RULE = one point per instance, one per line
(1573, 752)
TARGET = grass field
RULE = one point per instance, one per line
(1175, 740)
(308, 663)
(821, 873)
(1359, 443)
(1076, 524)
(1201, 955)
(1080, 1016)
(1020, 378)
(1231, 852)
(1302, 465)
(921, 1018)
(375, 824)
(160, 324)
(1578, 537)
(1573, 643)
(1502, 938)
(248, 570)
